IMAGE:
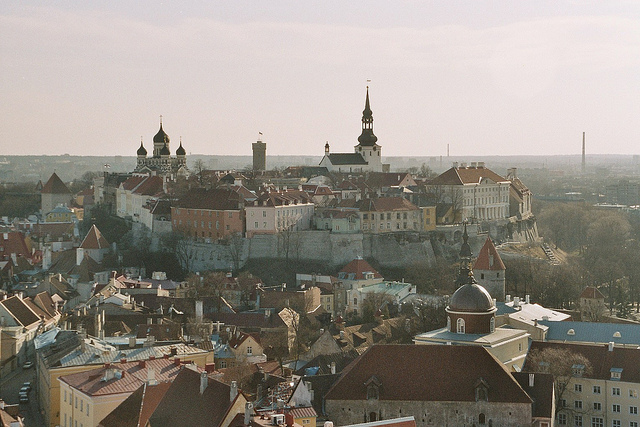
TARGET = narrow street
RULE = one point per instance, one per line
(9, 389)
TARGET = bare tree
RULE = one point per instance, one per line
(564, 365)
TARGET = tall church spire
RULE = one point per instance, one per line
(367, 137)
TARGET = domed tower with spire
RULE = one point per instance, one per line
(367, 141)
(161, 161)
(471, 309)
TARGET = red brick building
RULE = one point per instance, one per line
(209, 214)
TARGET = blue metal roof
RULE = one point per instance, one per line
(600, 333)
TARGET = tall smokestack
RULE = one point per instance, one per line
(583, 156)
(447, 150)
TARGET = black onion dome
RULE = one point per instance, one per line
(161, 137)
(180, 151)
(367, 137)
(165, 150)
(471, 298)
(142, 151)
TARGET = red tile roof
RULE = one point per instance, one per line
(133, 182)
(489, 258)
(55, 186)
(132, 376)
(385, 204)
(591, 293)
(20, 311)
(215, 199)
(94, 239)
(462, 175)
(13, 242)
(602, 360)
(136, 409)
(183, 405)
(359, 266)
(150, 186)
(427, 373)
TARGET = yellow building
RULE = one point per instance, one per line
(87, 397)
(69, 353)
(428, 218)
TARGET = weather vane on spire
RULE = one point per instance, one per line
(160, 119)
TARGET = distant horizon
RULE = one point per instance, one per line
(481, 76)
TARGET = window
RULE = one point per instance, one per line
(633, 393)
(81, 405)
(562, 419)
(482, 419)
(460, 325)
(597, 422)
(230, 214)
(249, 350)
(577, 420)
(615, 408)
(492, 328)
(76, 402)
(633, 424)
(87, 408)
(563, 403)
(255, 224)
(596, 389)
(65, 395)
(616, 423)
(633, 410)
(597, 406)
(577, 388)
(264, 214)
(355, 301)
(577, 404)
(615, 391)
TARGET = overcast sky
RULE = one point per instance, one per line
(486, 77)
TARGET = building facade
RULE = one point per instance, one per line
(161, 161)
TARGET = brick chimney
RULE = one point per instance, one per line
(204, 382)
(234, 391)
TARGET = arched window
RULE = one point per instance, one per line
(373, 416)
(372, 392)
(482, 419)
(492, 324)
(460, 325)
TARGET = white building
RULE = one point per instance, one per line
(477, 193)
(367, 155)
(275, 212)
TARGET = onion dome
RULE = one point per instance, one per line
(165, 150)
(471, 298)
(181, 151)
(161, 137)
(142, 151)
(367, 137)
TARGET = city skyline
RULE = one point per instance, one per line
(485, 78)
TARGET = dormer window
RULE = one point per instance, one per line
(482, 390)
(577, 370)
(616, 374)
(460, 325)
(373, 385)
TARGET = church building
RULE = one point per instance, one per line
(367, 155)
(161, 162)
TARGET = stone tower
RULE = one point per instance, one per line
(259, 155)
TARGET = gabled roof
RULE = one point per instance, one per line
(428, 373)
(338, 159)
(390, 179)
(591, 292)
(55, 186)
(466, 175)
(136, 409)
(129, 377)
(358, 267)
(385, 204)
(183, 404)
(150, 186)
(541, 392)
(13, 242)
(215, 199)
(601, 359)
(20, 311)
(94, 240)
(489, 258)
(133, 182)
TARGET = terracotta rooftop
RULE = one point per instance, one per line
(466, 175)
(122, 377)
(489, 258)
(427, 373)
(215, 199)
(94, 239)
(358, 267)
(55, 186)
(591, 292)
(20, 311)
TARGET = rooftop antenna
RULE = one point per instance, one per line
(583, 151)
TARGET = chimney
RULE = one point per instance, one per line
(611, 345)
(132, 342)
(527, 299)
(151, 376)
(248, 413)
(333, 367)
(176, 361)
(507, 298)
(234, 391)
(199, 311)
(516, 302)
(583, 151)
(288, 417)
(142, 364)
(209, 367)
(531, 379)
(204, 382)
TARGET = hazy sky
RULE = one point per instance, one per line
(486, 77)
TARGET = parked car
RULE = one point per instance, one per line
(27, 384)
(25, 390)
(24, 399)
(27, 365)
